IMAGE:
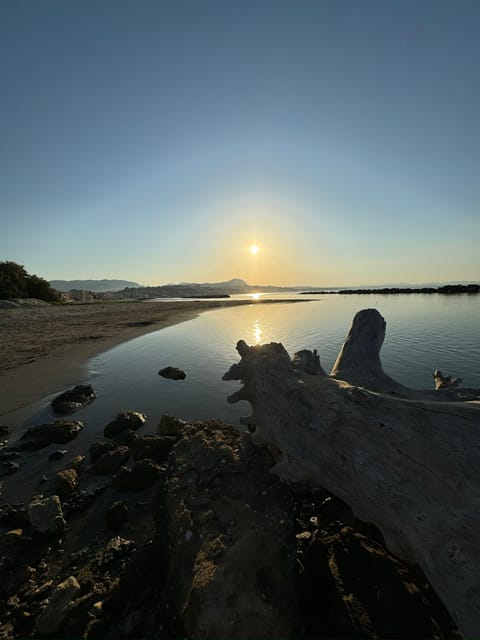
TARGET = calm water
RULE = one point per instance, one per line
(423, 333)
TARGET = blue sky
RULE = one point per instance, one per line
(156, 141)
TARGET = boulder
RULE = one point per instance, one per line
(66, 482)
(58, 432)
(141, 476)
(125, 420)
(173, 373)
(170, 426)
(111, 461)
(153, 447)
(231, 562)
(45, 515)
(53, 616)
(125, 438)
(97, 449)
(73, 399)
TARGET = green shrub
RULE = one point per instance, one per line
(15, 282)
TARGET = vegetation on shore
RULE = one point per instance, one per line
(446, 289)
(16, 282)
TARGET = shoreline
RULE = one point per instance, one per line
(46, 349)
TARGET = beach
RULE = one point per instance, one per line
(44, 348)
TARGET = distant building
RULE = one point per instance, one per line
(80, 295)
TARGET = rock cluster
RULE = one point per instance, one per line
(211, 545)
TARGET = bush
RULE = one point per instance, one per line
(15, 282)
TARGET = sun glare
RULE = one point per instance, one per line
(254, 249)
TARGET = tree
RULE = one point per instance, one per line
(15, 282)
(39, 288)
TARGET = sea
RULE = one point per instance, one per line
(424, 332)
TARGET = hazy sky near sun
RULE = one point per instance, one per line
(157, 140)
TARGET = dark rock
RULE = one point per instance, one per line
(58, 432)
(111, 461)
(117, 514)
(126, 438)
(141, 476)
(173, 373)
(46, 515)
(351, 586)
(73, 399)
(125, 420)
(57, 455)
(97, 449)
(80, 501)
(231, 566)
(53, 615)
(77, 463)
(12, 467)
(66, 482)
(5, 431)
(170, 426)
(153, 447)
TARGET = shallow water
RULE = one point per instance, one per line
(424, 332)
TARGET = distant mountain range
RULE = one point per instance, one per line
(188, 290)
(235, 283)
(92, 285)
(126, 289)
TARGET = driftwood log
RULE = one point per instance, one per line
(406, 460)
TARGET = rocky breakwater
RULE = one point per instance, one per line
(186, 533)
(403, 459)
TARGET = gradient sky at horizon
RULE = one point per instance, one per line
(157, 140)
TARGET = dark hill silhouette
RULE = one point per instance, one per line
(92, 285)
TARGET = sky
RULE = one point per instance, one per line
(157, 140)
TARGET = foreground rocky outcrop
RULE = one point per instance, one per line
(214, 545)
(405, 460)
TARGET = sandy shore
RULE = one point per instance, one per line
(45, 348)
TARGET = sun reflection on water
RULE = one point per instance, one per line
(255, 296)
(257, 332)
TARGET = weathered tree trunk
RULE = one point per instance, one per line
(410, 466)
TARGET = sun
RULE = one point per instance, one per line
(254, 249)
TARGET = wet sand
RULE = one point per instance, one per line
(44, 349)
